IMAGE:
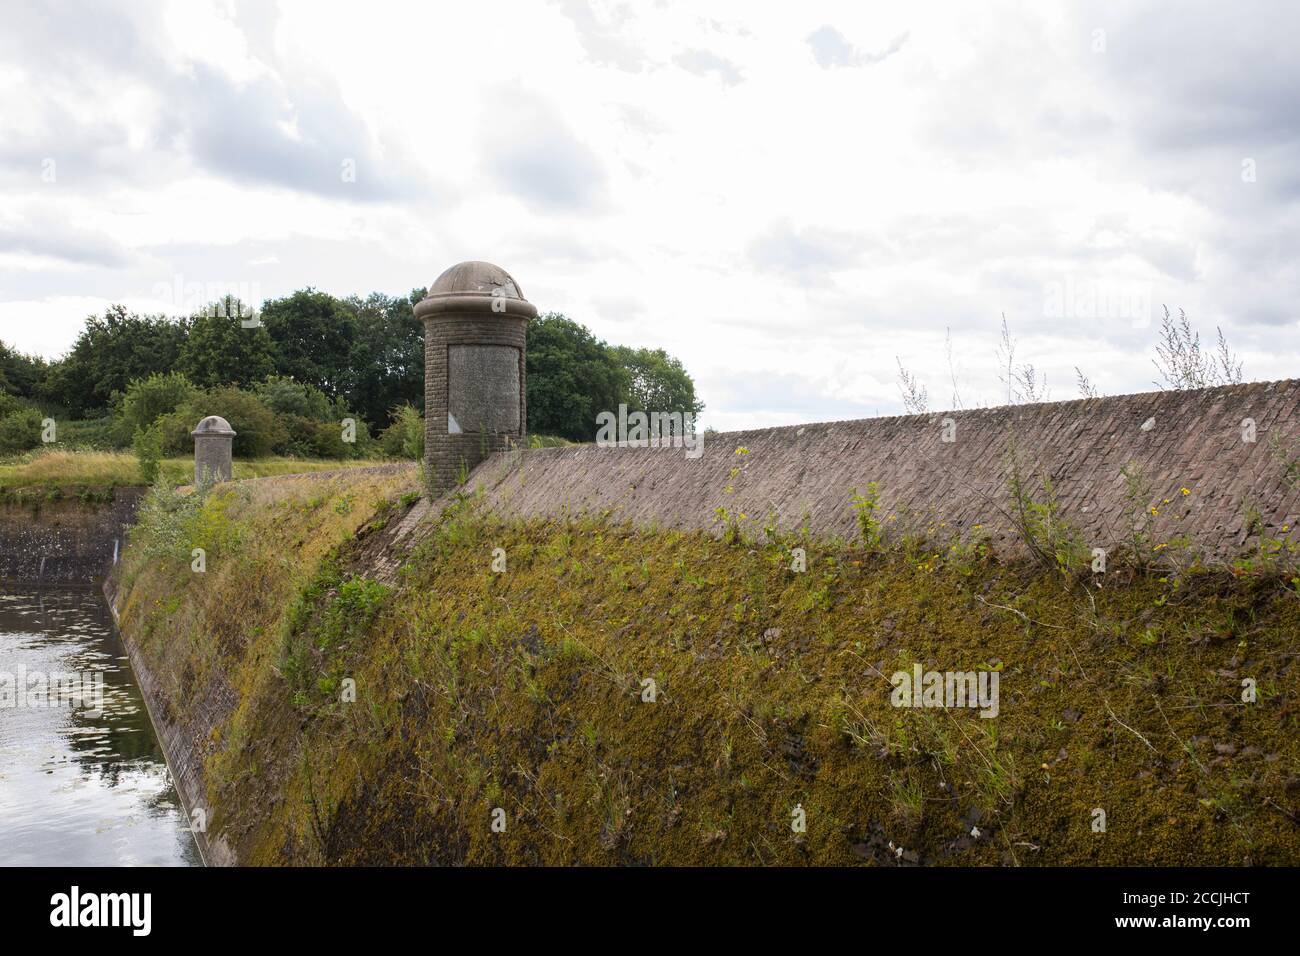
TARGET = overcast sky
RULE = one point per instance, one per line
(786, 196)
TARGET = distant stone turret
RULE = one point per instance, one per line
(475, 332)
(213, 450)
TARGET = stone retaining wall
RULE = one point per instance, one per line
(66, 540)
(806, 475)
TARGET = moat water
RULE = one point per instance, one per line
(83, 781)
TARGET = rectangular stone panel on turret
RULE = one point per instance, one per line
(483, 388)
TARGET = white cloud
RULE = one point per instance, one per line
(786, 197)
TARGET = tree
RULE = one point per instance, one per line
(20, 374)
(220, 350)
(147, 400)
(387, 358)
(572, 377)
(109, 353)
(314, 335)
(656, 382)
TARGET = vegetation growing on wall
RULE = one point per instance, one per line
(525, 690)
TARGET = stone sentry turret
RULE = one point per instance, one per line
(213, 450)
(475, 339)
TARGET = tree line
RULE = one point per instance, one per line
(309, 357)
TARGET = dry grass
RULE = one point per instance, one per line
(106, 469)
(61, 468)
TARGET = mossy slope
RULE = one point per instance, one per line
(524, 690)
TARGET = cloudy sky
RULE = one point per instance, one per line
(789, 197)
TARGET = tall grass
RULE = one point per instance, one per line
(56, 468)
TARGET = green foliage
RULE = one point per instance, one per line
(21, 374)
(109, 354)
(148, 399)
(258, 428)
(312, 439)
(866, 509)
(572, 377)
(98, 434)
(1137, 493)
(656, 382)
(312, 421)
(1052, 541)
(20, 430)
(328, 614)
(219, 351)
(404, 438)
(166, 523)
(148, 447)
(11, 403)
(287, 397)
(483, 681)
(386, 363)
(310, 348)
(313, 335)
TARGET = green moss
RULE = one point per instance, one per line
(526, 691)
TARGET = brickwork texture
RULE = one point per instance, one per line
(1193, 474)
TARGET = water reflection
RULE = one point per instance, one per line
(78, 788)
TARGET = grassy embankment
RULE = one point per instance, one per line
(69, 473)
(524, 690)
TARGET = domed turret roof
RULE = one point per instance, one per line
(476, 287)
(213, 426)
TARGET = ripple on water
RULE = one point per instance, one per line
(79, 788)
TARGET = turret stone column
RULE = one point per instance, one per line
(475, 334)
(213, 450)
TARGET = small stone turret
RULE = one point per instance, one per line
(214, 442)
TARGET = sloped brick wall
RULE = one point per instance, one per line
(66, 540)
(805, 475)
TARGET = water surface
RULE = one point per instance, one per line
(79, 788)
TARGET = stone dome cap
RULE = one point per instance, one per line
(214, 426)
(476, 287)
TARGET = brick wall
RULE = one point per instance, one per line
(64, 541)
(806, 475)
(444, 452)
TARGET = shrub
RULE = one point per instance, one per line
(312, 421)
(404, 438)
(287, 397)
(148, 451)
(100, 434)
(258, 429)
(166, 523)
(312, 439)
(20, 430)
(148, 399)
(10, 404)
